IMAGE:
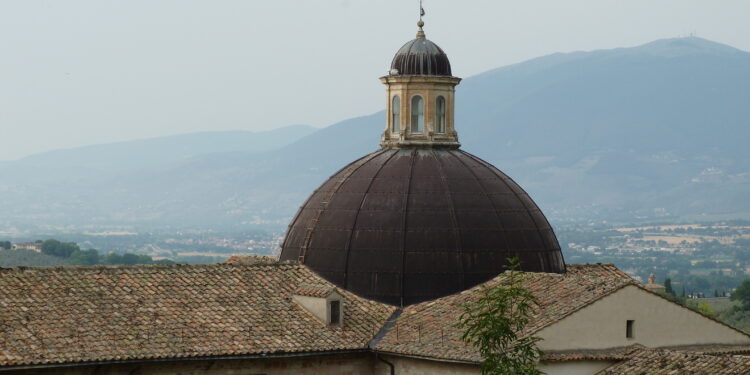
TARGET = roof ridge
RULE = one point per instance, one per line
(103, 267)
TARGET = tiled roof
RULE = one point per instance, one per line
(86, 314)
(626, 352)
(314, 290)
(667, 362)
(429, 329)
(82, 314)
(251, 259)
(611, 354)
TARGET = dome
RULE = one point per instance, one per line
(407, 225)
(421, 57)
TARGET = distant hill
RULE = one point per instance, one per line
(114, 159)
(659, 130)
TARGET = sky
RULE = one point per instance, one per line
(81, 72)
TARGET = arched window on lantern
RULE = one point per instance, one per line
(417, 114)
(440, 115)
(396, 114)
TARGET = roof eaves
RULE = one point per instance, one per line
(173, 359)
(427, 358)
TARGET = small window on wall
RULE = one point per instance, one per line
(440, 115)
(629, 329)
(417, 114)
(335, 312)
(396, 114)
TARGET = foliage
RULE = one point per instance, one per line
(705, 309)
(17, 258)
(59, 249)
(738, 319)
(493, 324)
(129, 259)
(55, 253)
(6, 245)
(668, 286)
(89, 257)
(742, 295)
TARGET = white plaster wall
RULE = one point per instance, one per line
(658, 322)
(315, 305)
(574, 367)
(411, 366)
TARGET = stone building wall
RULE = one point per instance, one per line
(412, 366)
(574, 367)
(353, 364)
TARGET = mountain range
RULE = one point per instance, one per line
(658, 131)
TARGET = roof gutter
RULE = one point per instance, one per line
(425, 358)
(178, 359)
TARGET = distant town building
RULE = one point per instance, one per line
(653, 286)
(30, 246)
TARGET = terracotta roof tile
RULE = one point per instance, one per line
(252, 259)
(314, 290)
(610, 354)
(81, 314)
(668, 362)
(429, 329)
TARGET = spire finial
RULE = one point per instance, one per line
(420, 33)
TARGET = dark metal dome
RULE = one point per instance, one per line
(403, 226)
(421, 57)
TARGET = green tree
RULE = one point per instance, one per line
(130, 259)
(706, 309)
(145, 259)
(89, 257)
(742, 295)
(493, 322)
(113, 258)
(5, 245)
(59, 249)
(668, 286)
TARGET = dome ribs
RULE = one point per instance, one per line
(454, 219)
(347, 248)
(421, 57)
(407, 225)
(324, 203)
(404, 223)
(487, 195)
(545, 262)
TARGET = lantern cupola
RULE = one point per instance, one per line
(420, 97)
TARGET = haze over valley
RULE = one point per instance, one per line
(651, 133)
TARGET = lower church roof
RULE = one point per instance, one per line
(429, 329)
(77, 315)
(92, 314)
(668, 362)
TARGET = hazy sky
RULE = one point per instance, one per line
(78, 72)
